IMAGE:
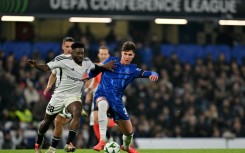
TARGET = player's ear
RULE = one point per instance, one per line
(122, 53)
(133, 55)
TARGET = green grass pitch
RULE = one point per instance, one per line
(141, 151)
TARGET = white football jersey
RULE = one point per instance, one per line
(57, 72)
(71, 73)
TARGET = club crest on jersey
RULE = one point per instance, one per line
(138, 69)
(127, 70)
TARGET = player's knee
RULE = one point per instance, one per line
(103, 105)
(96, 121)
(76, 114)
(47, 121)
(96, 118)
(130, 134)
(57, 123)
(128, 131)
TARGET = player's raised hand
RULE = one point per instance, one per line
(110, 65)
(32, 63)
(154, 76)
(46, 90)
(85, 77)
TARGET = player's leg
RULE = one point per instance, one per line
(96, 125)
(91, 136)
(91, 141)
(102, 117)
(52, 109)
(127, 129)
(75, 109)
(59, 122)
(125, 126)
(111, 123)
(44, 126)
(103, 120)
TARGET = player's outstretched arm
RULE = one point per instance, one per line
(98, 69)
(108, 66)
(153, 76)
(51, 81)
(41, 67)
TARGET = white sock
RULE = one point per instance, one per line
(127, 141)
(102, 116)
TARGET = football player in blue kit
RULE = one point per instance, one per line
(108, 97)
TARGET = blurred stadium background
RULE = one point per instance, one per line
(199, 100)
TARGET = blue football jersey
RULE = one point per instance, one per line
(113, 84)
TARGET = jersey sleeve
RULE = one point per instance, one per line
(138, 73)
(90, 64)
(107, 60)
(58, 62)
(54, 71)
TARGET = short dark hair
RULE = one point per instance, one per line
(103, 47)
(68, 39)
(127, 46)
(77, 45)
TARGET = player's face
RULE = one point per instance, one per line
(103, 54)
(127, 57)
(78, 54)
(67, 47)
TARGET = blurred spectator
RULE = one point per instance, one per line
(7, 90)
(146, 54)
(50, 56)
(155, 45)
(18, 139)
(39, 108)
(24, 114)
(206, 99)
(31, 94)
(75, 31)
(111, 37)
(225, 36)
(8, 142)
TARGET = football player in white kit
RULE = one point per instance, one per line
(61, 119)
(68, 92)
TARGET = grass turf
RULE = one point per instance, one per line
(141, 151)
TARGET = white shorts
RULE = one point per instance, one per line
(58, 103)
(65, 114)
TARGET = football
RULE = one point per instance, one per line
(112, 147)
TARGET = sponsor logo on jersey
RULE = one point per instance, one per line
(74, 79)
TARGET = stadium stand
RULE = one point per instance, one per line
(17, 48)
(238, 53)
(204, 99)
(44, 47)
(216, 50)
(167, 50)
(189, 53)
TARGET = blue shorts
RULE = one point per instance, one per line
(116, 110)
